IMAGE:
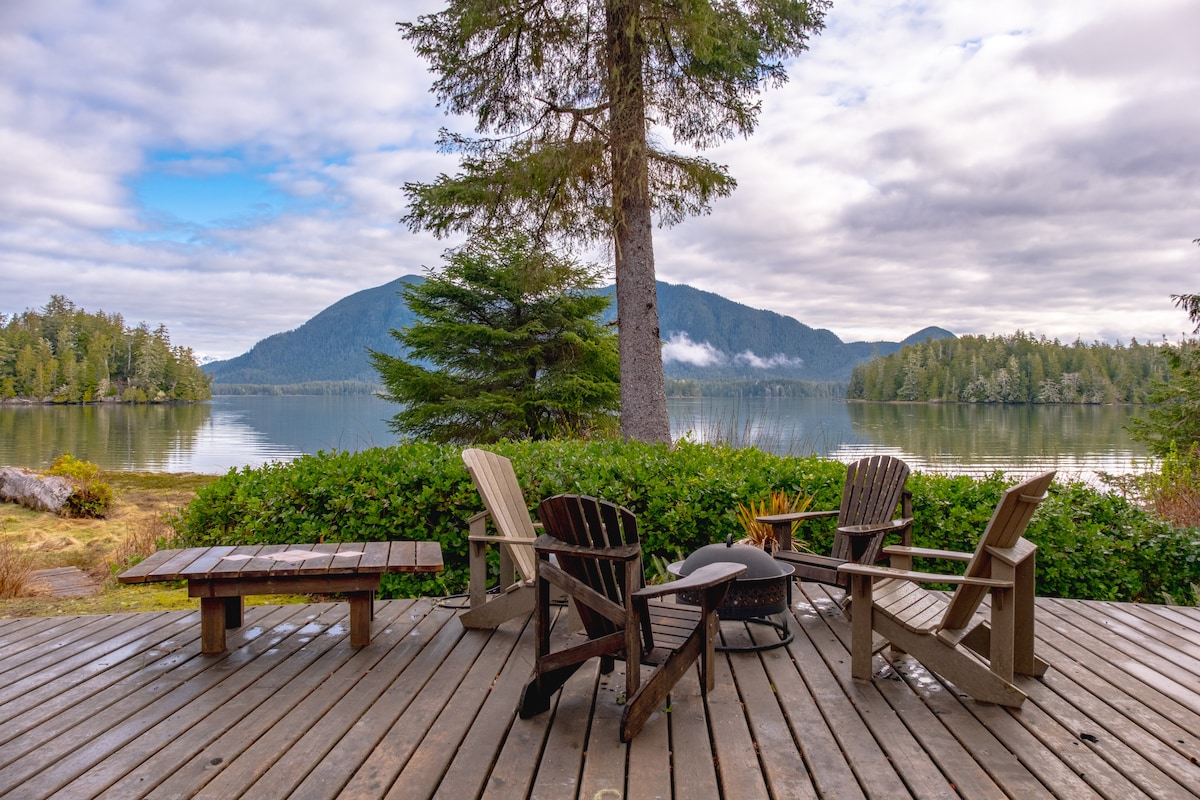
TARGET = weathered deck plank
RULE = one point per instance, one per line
(125, 706)
(412, 704)
(945, 750)
(186, 759)
(694, 769)
(355, 675)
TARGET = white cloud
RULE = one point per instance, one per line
(681, 348)
(757, 362)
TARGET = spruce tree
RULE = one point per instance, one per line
(508, 343)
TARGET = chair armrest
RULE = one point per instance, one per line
(776, 519)
(808, 559)
(499, 538)
(874, 528)
(703, 578)
(554, 546)
(925, 552)
(921, 577)
(1014, 555)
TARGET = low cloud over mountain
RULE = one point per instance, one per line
(680, 348)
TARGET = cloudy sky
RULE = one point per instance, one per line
(229, 169)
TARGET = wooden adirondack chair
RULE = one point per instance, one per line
(874, 488)
(514, 534)
(599, 565)
(948, 636)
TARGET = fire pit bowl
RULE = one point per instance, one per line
(760, 591)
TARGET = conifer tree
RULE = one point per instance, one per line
(1173, 424)
(567, 93)
(508, 343)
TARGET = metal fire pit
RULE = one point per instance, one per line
(756, 594)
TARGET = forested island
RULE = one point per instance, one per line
(63, 354)
(1019, 368)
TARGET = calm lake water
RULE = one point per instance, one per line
(248, 431)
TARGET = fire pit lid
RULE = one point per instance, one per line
(759, 563)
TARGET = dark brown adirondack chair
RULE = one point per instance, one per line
(874, 488)
(979, 655)
(600, 567)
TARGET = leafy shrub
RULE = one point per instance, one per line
(684, 497)
(1092, 544)
(92, 498)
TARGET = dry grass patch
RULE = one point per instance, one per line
(134, 528)
(16, 563)
(143, 537)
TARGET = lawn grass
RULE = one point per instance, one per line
(120, 598)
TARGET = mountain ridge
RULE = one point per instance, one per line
(706, 336)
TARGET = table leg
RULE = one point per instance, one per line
(212, 625)
(361, 612)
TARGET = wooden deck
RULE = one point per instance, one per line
(125, 706)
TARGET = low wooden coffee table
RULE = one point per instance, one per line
(222, 576)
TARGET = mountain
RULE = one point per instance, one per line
(332, 346)
(710, 337)
(707, 337)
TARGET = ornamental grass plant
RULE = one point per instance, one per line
(760, 534)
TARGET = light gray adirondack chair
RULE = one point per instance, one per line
(979, 655)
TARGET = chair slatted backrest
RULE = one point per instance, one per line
(1006, 527)
(873, 489)
(589, 522)
(504, 500)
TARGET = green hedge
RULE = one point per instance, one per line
(1093, 544)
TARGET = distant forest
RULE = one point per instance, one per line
(1011, 369)
(682, 387)
(63, 354)
(334, 388)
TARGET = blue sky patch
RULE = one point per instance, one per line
(208, 200)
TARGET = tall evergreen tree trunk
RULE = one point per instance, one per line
(643, 394)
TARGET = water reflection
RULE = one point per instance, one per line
(976, 439)
(1079, 441)
(114, 436)
(786, 426)
(249, 431)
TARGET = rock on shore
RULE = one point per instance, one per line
(35, 490)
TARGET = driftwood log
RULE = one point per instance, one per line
(35, 490)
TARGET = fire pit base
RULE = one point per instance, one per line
(755, 596)
(781, 627)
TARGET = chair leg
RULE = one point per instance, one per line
(653, 692)
(861, 630)
(517, 601)
(535, 698)
(1025, 660)
(968, 673)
